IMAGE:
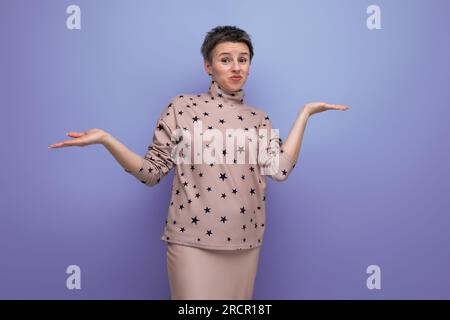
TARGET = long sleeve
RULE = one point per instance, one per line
(158, 160)
(272, 159)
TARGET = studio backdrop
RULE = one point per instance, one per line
(364, 215)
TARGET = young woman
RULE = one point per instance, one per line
(216, 218)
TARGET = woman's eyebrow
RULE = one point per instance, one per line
(229, 53)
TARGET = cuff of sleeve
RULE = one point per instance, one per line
(290, 160)
(136, 173)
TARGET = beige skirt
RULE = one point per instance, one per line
(206, 274)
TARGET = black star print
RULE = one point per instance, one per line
(243, 227)
(223, 176)
(228, 239)
(205, 113)
(209, 189)
(182, 229)
(252, 191)
(224, 195)
(197, 195)
(185, 183)
(252, 169)
(209, 233)
(243, 210)
(200, 174)
(180, 112)
(195, 119)
(243, 177)
(181, 207)
(207, 210)
(224, 152)
(160, 127)
(189, 200)
(240, 118)
(195, 220)
(210, 127)
(222, 121)
(220, 105)
(234, 191)
(192, 167)
(284, 172)
(223, 219)
(177, 192)
(174, 222)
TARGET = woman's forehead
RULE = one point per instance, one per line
(231, 47)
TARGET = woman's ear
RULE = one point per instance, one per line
(207, 68)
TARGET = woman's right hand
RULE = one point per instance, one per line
(91, 136)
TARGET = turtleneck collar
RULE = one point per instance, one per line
(234, 98)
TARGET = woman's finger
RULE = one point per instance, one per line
(75, 134)
(65, 143)
(56, 145)
(338, 106)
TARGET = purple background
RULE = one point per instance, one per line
(371, 185)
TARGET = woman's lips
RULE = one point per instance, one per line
(236, 78)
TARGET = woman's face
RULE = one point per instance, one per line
(229, 59)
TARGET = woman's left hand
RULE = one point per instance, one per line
(316, 107)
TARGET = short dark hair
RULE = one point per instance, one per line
(221, 34)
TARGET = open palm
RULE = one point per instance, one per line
(316, 107)
(92, 136)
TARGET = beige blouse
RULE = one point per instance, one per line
(214, 204)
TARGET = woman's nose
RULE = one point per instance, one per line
(236, 66)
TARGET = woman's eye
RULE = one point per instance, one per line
(226, 60)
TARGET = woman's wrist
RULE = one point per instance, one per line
(303, 113)
(106, 139)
